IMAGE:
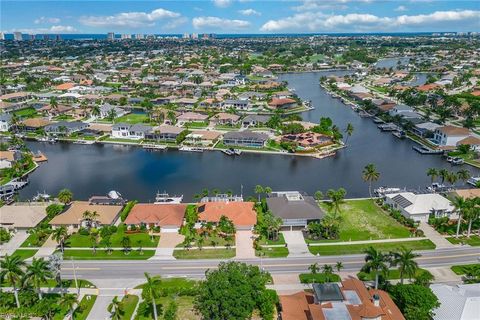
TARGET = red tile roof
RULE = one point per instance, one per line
(241, 213)
(158, 214)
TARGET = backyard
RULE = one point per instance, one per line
(133, 118)
(364, 220)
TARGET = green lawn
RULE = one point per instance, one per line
(393, 274)
(84, 307)
(473, 241)
(129, 303)
(210, 240)
(196, 125)
(26, 113)
(364, 220)
(317, 278)
(359, 248)
(33, 241)
(136, 240)
(460, 269)
(204, 254)
(103, 255)
(185, 309)
(280, 240)
(275, 252)
(25, 253)
(132, 118)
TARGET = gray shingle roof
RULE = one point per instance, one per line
(297, 209)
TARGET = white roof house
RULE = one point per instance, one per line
(461, 302)
(419, 206)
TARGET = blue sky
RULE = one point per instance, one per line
(239, 16)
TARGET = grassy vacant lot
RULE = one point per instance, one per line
(317, 278)
(275, 252)
(461, 268)
(393, 274)
(204, 254)
(474, 241)
(25, 253)
(359, 248)
(132, 118)
(103, 255)
(129, 303)
(83, 309)
(185, 309)
(364, 220)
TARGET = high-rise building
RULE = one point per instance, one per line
(111, 36)
(31, 37)
(125, 36)
(46, 37)
(194, 35)
(58, 37)
(17, 36)
(139, 36)
(2, 36)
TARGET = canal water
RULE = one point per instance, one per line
(138, 174)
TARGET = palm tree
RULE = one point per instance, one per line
(405, 260)
(471, 213)
(65, 196)
(327, 270)
(348, 130)
(339, 266)
(459, 205)
(318, 195)
(116, 309)
(376, 262)
(259, 190)
(11, 270)
(451, 178)
(38, 272)
(336, 198)
(370, 174)
(464, 175)
(151, 292)
(432, 173)
(60, 235)
(69, 300)
(95, 111)
(443, 173)
(267, 190)
(314, 268)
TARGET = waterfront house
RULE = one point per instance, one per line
(191, 117)
(425, 129)
(236, 104)
(253, 120)
(106, 110)
(7, 158)
(65, 127)
(165, 133)
(22, 217)
(449, 136)
(73, 217)
(419, 207)
(295, 209)
(242, 214)
(169, 217)
(472, 141)
(130, 131)
(456, 302)
(34, 124)
(5, 119)
(202, 137)
(245, 138)
(349, 299)
(308, 140)
(282, 103)
(224, 118)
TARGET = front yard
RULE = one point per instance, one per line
(204, 254)
(473, 241)
(331, 250)
(102, 254)
(272, 252)
(365, 220)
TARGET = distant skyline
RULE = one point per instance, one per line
(239, 16)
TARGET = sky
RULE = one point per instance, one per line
(238, 16)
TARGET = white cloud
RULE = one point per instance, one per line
(52, 29)
(250, 12)
(401, 9)
(130, 19)
(220, 23)
(222, 3)
(309, 5)
(46, 20)
(318, 21)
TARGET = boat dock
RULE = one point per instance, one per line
(39, 157)
(425, 150)
(154, 147)
(388, 127)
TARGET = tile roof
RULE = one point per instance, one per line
(74, 214)
(159, 214)
(21, 216)
(241, 213)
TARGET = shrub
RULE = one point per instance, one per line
(54, 209)
(4, 235)
(83, 231)
(127, 210)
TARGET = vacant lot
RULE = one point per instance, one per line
(360, 248)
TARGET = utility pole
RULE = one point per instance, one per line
(75, 276)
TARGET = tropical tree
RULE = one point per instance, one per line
(60, 234)
(337, 198)
(349, 131)
(327, 271)
(443, 173)
(68, 300)
(459, 205)
(376, 262)
(405, 260)
(339, 266)
(259, 190)
(432, 173)
(370, 174)
(11, 270)
(95, 111)
(451, 178)
(116, 309)
(464, 175)
(65, 196)
(319, 195)
(151, 292)
(38, 272)
(314, 268)
(472, 212)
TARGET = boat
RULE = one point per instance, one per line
(399, 134)
(449, 159)
(165, 198)
(474, 181)
(386, 190)
(458, 161)
(191, 149)
(153, 147)
(228, 152)
(437, 187)
(377, 120)
(425, 150)
(42, 197)
(388, 127)
(237, 152)
(84, 142)
(364, 114)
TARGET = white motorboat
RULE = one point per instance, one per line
(386, 190)
(237, 152)
(474, 181)
(191, 149)
(42, 197)
(165, 198)
(228, 152)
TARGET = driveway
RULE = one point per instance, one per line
(15, 242)
(47, 249)
(244, 245)
(435, 237)
(166, 245)
(296, 244)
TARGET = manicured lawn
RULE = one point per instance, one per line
(364, 220)
(132, 118)
(103, 255)
(129, 303)
(33, 241)
(473, 240)
(136, 240)
(393, 274)
(317, 278)
(461, 268)
(275, 252)
(26, 113)
(210, 240)
(280, 240)
(193, 125)
(122, 140)
(185, 309)
(65, 117)
(25, 253)
(359, 248)
(84, 307)
(204, 254)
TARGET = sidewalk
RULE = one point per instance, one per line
(15, 242)
(439, 241)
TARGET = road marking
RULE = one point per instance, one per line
(80, 268)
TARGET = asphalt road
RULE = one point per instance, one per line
(135, 269)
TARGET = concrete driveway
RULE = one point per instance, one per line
(244, 244)
(166, 245)
(15, 242)
(296, 244)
